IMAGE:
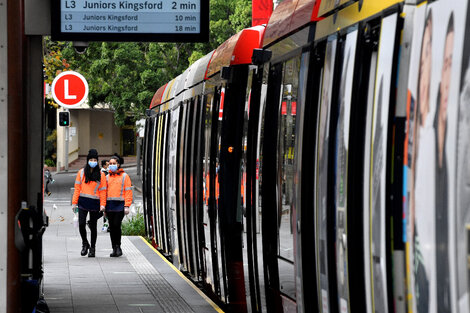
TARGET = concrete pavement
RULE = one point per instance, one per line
(139, 281)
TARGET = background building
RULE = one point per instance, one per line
(94, 128)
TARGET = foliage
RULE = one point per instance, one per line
(227, 17)
(54, 64)
(241, 18)
(134, 226)
(50, 145)
(53, 60)
(49, 162)
(126, 75)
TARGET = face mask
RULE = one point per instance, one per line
(92, 164)
(112, 167)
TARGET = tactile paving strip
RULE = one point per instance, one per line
(164, 293)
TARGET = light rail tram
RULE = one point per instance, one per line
(321, 162)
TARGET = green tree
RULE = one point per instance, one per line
(227, 17)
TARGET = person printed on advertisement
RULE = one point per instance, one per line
(463, 188)
(422, 205)
(440, 126)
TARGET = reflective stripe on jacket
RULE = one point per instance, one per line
(119, 191)
(89, 196)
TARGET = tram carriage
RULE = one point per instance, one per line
(286, 170)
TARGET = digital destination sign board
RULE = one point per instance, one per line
(130, 20)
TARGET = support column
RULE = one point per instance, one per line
(16, 143)
(3, 154)
(35, 120)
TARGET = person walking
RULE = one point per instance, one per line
(89, 197)
(118, 201)
(104, 166)
(47, 180)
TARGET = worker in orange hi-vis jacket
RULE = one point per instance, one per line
(89, 196)
(118, 201)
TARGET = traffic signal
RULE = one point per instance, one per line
(64, 119)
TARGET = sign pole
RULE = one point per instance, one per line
(69, 90)
(67, 148)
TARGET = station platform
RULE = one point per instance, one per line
(140, 281)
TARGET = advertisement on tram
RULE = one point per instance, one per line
(430, 161)
(172, 164)
(462, 187)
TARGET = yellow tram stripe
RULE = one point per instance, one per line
(350, 16)
(215, 306)
(422, 3)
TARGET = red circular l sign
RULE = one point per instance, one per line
(69, 89)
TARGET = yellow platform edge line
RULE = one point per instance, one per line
(215, 306)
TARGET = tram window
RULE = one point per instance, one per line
(286, 148)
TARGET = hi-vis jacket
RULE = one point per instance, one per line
(119, 191)
(89, 196)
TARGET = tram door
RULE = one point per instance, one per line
(152, 162)
(211, 269)
(245, 204)
(158, 208)
(163, 182)
(341, 158)
(172, 184)
(144, 175)
(182, 220)
(375, 169)
(184, 212)
(249, 186)
(149, 125)
(189, 208)
(324, 238)
(278, 156)
(160, 182)
(197, 184)
(218, 112)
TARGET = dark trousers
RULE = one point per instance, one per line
(94, 216)
(115, 220)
